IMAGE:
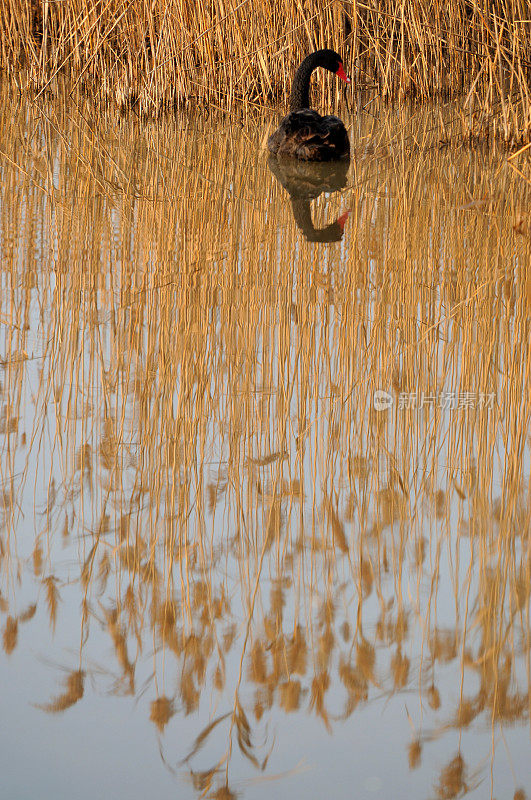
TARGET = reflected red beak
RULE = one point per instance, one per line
(340, 72)
(342, 219)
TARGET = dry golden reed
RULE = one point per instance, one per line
(10, 635)
(452, 780)
(162, 710)
(74, 691)
(152, 56)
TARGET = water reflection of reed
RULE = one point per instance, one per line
(187, 396)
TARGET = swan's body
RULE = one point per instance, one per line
(303, 133)
(310, 137)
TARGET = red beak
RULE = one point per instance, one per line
(340, 72)
(342, 219)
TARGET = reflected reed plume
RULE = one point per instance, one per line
(304, 182)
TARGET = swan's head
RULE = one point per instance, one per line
(329, 59)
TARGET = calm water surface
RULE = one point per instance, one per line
(265, 507)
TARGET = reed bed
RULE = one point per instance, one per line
(187, 407)
(154, 56)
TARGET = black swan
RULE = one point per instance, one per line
(304, 182)
(305, 134)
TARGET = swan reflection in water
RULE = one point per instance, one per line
(304, 181)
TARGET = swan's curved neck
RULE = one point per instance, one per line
(302, 215)
(300, 89)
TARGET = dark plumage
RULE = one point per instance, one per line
(306, 181)
(303, 133)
